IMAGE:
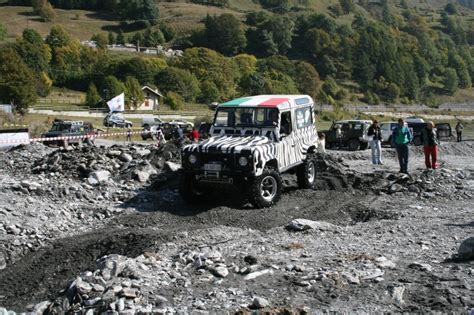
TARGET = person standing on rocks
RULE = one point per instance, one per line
(459, 128)
(375, 135)
(322, 143)
(430, 145)
(129, 134)
(339, 136)
(401, 138)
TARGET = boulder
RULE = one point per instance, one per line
(220, 271)
(125, 157)
(466, 249)
(259, 302)
(304, 224)
(141, 176)
(98, 177)
(173, 167)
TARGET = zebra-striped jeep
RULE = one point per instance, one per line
(253, 141)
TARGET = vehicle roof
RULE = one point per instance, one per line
(352, 121)
(270, 101)
(389, 122)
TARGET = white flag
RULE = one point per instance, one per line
(117, 104)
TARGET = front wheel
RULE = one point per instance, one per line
(354, 145)
(364, 145)
(189, 189)
(306, 174)
(265, 190)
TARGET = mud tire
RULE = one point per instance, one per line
(189, 189)
(265, 190)
(306, 174)
(353, 145)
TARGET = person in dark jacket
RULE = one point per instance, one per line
(375, 136)
(401, 138)
(430, 145)
(459, 128)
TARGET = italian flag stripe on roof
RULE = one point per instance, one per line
(257, 101)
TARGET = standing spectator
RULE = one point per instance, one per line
(401, 137)
(160, 136)
(129, 134)
(322, 143)
(459, 128)
(430, 145)
(375, 135)
(339, 136)
(194, 135)
(179, 135)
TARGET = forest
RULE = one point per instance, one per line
(394, 58)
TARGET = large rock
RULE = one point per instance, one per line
(466, 250)
(173, 167)
(259, 302)
(125, 157)
(98, 177)
(141, 176)
(304, 224)
(111, 266)
(257, 274)
(220, 271)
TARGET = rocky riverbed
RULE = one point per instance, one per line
(96, 230)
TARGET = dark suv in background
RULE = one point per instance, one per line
(68, 128)
(443, 131)
(354, 134)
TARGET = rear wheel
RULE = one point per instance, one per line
(417, 141)
(353, 145)
(189, 189)
(265, 190)
(306, 174)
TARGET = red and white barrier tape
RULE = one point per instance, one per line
(98, 135)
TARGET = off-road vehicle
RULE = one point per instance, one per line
(253, 140)
(116, 120)
(73, 132)
(354, 134)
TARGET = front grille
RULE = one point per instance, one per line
(227, 160)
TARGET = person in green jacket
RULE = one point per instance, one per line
(401, 138)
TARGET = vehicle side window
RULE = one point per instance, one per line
(285, 127)
(303, 117)
(357, 126)
(222, 118)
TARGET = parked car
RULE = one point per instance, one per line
(386, 129)
(170, 127)
(254, 140)
(443, 131)
(354, 134)
(147, 122)
(116, 120)
(414, 119)
(68, 128)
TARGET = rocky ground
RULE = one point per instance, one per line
(102, 229)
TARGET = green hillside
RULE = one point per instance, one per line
(338, 51)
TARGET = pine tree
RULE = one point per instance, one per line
(120, 40)
(112, 40)
(92, 95)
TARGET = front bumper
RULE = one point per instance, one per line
(218, 167)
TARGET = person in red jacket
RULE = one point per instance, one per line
(194, 135)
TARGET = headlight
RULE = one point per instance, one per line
(192, 159)
(243, 161)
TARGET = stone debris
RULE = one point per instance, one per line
(466, 250)
(303, 225)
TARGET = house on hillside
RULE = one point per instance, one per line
(152, 99)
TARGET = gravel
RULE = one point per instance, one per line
(100, 232)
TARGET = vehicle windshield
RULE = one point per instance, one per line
(252, 117)
(60, 127)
